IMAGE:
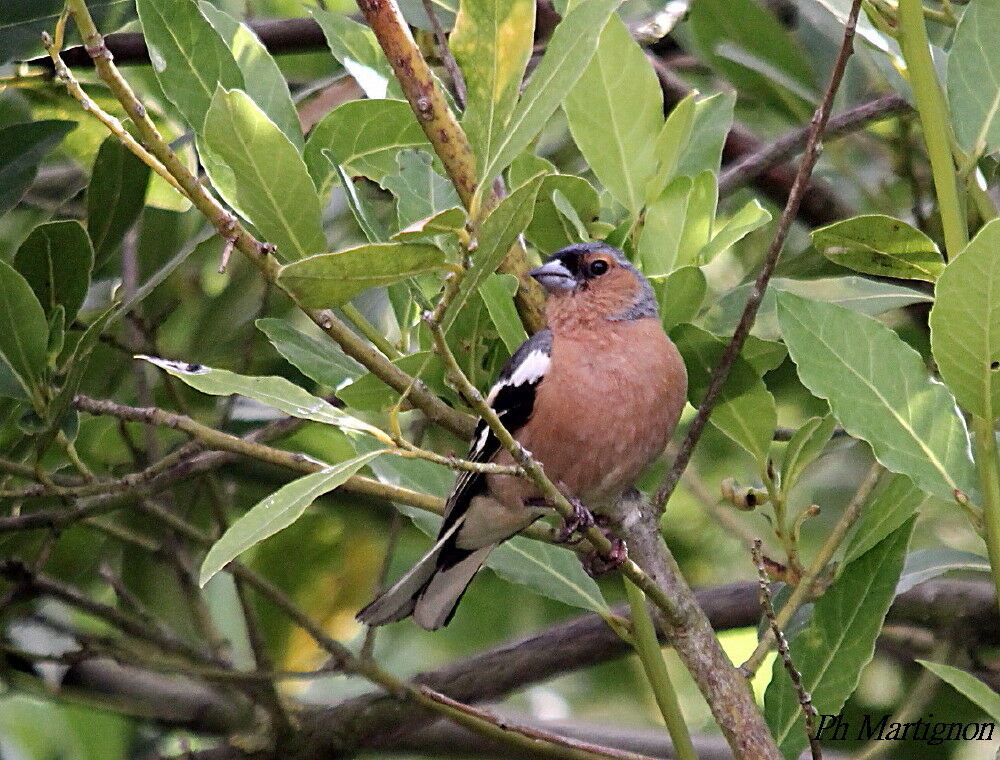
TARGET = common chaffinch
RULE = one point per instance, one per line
(594, 397)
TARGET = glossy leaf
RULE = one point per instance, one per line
(355, 47)
(276, 512)
(318, 358)
(968, 686)
(549, 229)
(569, 51)
(924, 564)
(745, 411)
(492, 42)
(270, 184)
(276, 392)
(364, 137)
(263, 80)
(331, 279)
(858, 294)
(879, 389)
(615, 113)
(189, 57)
(965, 324)
(56, 259)
(24, 332)
(974, 77)
(22, 148)
(880, 245)
(839, 641)
(420, 191)
(496, 235)
(807, 444)
(882, 513)
(498, 292)
(115, 197)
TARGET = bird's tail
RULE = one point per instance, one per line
(432, 588)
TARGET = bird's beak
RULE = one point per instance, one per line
(554, 276)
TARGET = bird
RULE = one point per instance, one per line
(594, 397)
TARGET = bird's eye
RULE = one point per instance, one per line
(599, 267)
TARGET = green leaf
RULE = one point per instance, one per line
(276, 512)
(924, 564)
(355, 47)
(713, 118)
(678, 224)
(446, 222)
(318, 358)
(364, 137)
(497, 291)
(271, 186)
(56, 259)
(331, 279)
(745, 410)
(527, 166)
(680, 295)
(24, 332)
(370, 393)
(858, 294)
(879, 389)
(276, 392)
(615, 113)
(746, 26)
(115, 197)
(967, 685)
(22, 148)
(974, 77)
(549, 229)
(738, 226)
(807, 444)
(764, 355)
(965, 324)
(883, 513)
(496, 235)
(263, 80)
(839, 641)
(880, 245)
(492, 42)
(670, 144)
(569, 51)
(23, 21)
(369, 223)
(420, 191)
(189, 57)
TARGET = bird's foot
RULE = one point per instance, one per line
(579, 521)
(596, 564)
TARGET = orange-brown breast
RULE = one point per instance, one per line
(607, 407)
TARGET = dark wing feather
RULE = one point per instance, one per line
(513, 399)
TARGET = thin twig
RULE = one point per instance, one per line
(805, 699)
(450, 64)
(808, 161)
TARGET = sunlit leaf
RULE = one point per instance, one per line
(355, 47)
(880, 245)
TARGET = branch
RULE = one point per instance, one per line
(799, 186)
(750, 166)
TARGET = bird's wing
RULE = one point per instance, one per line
(513, 399)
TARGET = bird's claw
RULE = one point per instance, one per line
(596, 564)
(579, 521)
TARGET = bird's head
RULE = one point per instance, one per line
(591, 282)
